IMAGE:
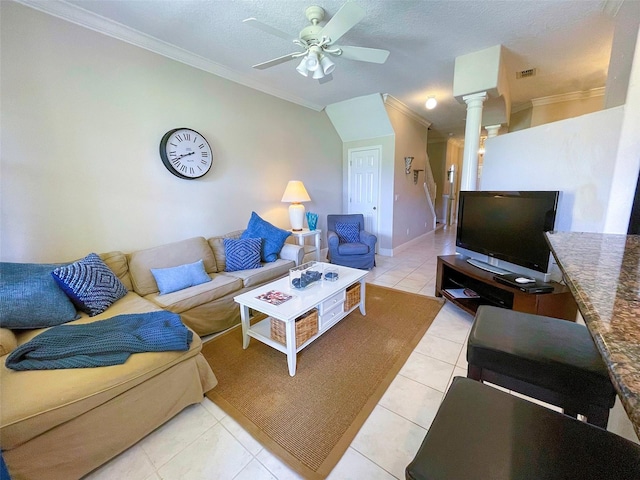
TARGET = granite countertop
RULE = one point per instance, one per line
(603, 273)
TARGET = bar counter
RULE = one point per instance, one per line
(603, 273)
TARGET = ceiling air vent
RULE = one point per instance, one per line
(531, 72)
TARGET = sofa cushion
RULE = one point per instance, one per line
(90, 285)
(70, 393)
(183, 300)
(31, 298)
(242, 253)
(217, 245)
(269, 271)
(117, 263)
(169, 255)
(177, 278)
(8, 341)
(272, 237)
(348, 232)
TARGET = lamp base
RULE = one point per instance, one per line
(296, 216)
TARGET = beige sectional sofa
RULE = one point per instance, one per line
(62, 424)
(209, 307)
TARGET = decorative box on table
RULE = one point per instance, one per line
(305, 275)
(330, 273)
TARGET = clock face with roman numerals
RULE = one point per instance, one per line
(186, 153)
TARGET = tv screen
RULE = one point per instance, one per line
(508, 226)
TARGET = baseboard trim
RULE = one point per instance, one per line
(390, 252)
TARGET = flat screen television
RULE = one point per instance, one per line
(501, 226)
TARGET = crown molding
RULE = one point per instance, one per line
(92, 21)
(567, 97)
(402, 108)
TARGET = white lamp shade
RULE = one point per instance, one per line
(295, 192)
(327, 65)
(318, 74)
(302, 67)
(312, 62)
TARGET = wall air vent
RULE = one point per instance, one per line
(531, 72)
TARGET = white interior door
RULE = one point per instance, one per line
(364, 180)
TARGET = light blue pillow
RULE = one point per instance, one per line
(31, 298)
(177, 278)
(348, 232)
(272, 237)
(242, 253)
(90, 284)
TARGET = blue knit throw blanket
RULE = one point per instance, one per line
(103, 343)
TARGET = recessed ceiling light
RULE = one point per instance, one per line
(431, 103)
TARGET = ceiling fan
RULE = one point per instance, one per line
(317, 42)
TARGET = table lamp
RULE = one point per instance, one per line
(295, 193)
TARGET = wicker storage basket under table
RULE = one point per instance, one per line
(353, 296)
(306, 327)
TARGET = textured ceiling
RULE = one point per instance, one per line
(569, 42)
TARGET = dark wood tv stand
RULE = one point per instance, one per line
(454, 272)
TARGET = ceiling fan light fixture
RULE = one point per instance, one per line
(312, 61)
(431, 103)
(302, 67)
(318, 74)
(327, 65)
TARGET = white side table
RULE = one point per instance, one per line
(305, 232)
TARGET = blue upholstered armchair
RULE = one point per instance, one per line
(349, 244)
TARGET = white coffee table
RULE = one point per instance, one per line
(328, 297)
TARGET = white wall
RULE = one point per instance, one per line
(576, 156)
(82, 118)
(627, 163)
(412, 216)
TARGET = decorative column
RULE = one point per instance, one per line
(492, 130)
(474, 103)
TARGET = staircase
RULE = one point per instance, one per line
(430, 188)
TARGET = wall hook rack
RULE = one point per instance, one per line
(415, 175)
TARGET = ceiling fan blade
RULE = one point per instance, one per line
(363, 54)
(268, 29)
(276, 61)
(343, 21)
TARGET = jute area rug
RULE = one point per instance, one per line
(309, 420)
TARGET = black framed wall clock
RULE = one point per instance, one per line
(186, 153)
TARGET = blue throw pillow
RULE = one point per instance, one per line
(90, 284)
(30, 297)
(348, 232)
(272, 237)
(242, 253)
(177, 278)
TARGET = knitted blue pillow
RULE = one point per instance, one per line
(348, 232)
(177, 278)
(272, 237)
(242, 253)
(90, 284)
(30, 297)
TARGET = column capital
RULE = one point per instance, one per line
(492, 130)
(474, 98)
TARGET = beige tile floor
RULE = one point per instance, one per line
(202, 442)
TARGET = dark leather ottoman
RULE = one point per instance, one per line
(545, 358)
(481, 433)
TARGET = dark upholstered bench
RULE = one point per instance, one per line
(545, 358)
(481, 433)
